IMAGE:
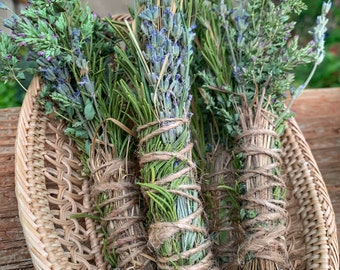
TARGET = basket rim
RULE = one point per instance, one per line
(315, 201)
(46, 245)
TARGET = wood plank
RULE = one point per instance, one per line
(317, 102)
(318, 115)
(317, 112)
(13, 249)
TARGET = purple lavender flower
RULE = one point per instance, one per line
(150, 14)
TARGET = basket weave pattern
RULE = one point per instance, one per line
(313, 226)
(50, 190)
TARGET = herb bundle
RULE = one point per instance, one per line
(214, 129)
(159, 91)
(251, 55)
(72, 49)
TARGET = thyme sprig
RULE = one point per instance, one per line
(71, 49)
(250, 56)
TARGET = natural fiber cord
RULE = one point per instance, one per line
(219, 204)
(123, 222)
(263, 224)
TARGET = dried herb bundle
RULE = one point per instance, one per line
(71, 49)
(250, 56)
(159, 91)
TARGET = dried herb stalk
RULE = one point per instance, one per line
(162, 44)
(250, 55)
(71, 49)
(263, 215)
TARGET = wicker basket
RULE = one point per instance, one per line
(312, 231)
(50, 190)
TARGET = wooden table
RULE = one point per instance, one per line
(318, 114)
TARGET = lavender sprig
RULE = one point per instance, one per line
(71, 49)
(318, 43)
(318, 49)
(161, 99)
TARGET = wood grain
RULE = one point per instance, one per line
(13, 251)
(317, 112)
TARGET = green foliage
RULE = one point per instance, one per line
(246, 50)
(328, 73)
(71, 49)
(9, 95)
(263, 51)
(157, 61)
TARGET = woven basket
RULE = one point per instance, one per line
(51, 190)
(312, 232)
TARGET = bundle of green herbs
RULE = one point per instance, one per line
(158, 63)
(71, 49)
(213, 129)
(250, 56)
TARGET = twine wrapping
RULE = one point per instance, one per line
(263, 224)
(188, 190)
(118, 197)
(219, 206)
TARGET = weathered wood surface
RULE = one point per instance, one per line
(318, 114)
(13, 251)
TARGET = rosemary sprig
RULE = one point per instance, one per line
(253, 38)
(72, 49)
(213, 130)
(159, 93)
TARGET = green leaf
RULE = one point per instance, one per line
(81, 134)
(58, 8)
(48, 107)
(87, 147)
(243, 214)
(251, 214)
(21, 75)
(77, 124)
(70, 131)
(89, 110)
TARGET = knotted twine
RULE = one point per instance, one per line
(161, 232)
(115, 186)
(263, 226)
(219, 200)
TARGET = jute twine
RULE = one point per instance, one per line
(161, 232)
(262, 242)
(115, 179)
(219, 206)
